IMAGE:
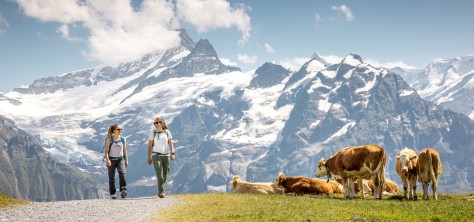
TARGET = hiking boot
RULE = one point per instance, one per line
(124, 194)
(161, 195)
(114, 196)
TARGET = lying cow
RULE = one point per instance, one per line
(241, 186)
(364, 162)
(429, 169)
(390, 187)
(336, 187)
(406, 169)
(303, 185)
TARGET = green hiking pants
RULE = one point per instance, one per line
(162, 167)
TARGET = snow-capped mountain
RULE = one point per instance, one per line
(354, 103)
(226, 122)
(447, 82)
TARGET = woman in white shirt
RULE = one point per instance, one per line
(160, 151)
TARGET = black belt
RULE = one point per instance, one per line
(160, 154)
(116, 158)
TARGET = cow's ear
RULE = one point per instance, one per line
(397, 157)
(280, 178)
(412, 157)
(234, 183)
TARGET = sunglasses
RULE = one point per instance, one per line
(157, 122)
(119, 129)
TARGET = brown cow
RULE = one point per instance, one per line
(241, 186)
(302, 185)
(364, 162)
(429, 169)
(406, 169)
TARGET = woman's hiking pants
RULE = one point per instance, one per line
(162, 167)
(118, 164)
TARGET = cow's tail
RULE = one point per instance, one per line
(383, 161)
(430, 161)
(380, 173)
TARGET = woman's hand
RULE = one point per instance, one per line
(109, 163)
(126, 163)
(149, 161)
(172, 157)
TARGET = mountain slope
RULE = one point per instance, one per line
(28, 171)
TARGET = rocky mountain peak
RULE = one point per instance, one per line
(317, 56)
(186, 41)
(203, 48)
(352, 59)
(269, 74)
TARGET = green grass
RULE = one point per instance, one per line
(251, 207)
(6, 201)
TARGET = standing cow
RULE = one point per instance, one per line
(429, 169)
(406, 168)
(364, 162)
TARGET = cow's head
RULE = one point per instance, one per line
(278, 181)
(406, 163)
(233, 182)
(322, 168)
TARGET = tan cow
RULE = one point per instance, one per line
(364, 162)
(390, 187)
(429, 169)
(406, 168)
(302, 185)
(336, 187)
(242, 186)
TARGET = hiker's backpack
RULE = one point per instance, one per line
(154, 134)
(110, 145)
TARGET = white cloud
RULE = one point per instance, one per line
(115, 31)
(268, 48)
(345, 10)
(389, 65)
(293, 64)
(228, 62)
(207, 15)
(317, 18)
(3, 24)
(244, 58)
(333, 59)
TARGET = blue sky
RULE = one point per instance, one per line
(42, 38)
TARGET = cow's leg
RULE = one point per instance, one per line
(405, 188)
(434, 187)
(346, 191)
(378, 186)
(351, 188)
(425, 190)
(345, 184)
(413, 186)
(360, 184)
